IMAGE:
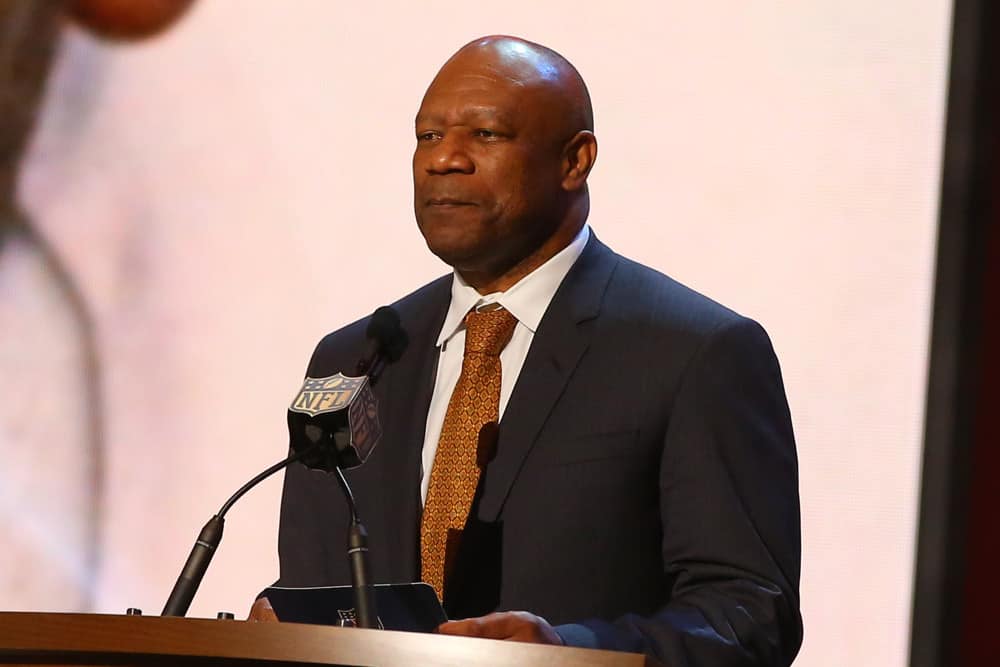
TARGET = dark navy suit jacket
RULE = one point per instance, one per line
(644, 492)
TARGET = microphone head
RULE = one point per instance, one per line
(388, 334)
(336, 420)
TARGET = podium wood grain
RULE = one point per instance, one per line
(95, 639)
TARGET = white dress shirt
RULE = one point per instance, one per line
(527, 300)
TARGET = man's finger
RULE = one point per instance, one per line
(499, 625)
(262, 612)
(470, 627)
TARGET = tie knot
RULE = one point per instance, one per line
(488, 331)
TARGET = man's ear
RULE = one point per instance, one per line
(579, 156)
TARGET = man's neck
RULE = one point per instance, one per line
(490, 283)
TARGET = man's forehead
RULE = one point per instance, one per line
(484, 79)
(473, 93)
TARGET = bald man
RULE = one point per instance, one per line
(642, 492)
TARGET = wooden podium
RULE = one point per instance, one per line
(95, 639)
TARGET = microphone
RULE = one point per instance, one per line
(345, 438)
(387, 340)
(339, 412)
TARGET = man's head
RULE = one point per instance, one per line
(504, 145)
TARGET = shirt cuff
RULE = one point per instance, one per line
(579, 636)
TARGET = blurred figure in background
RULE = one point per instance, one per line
(50, 418)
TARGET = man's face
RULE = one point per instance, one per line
(486, 169)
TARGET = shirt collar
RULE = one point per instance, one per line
(527, 300)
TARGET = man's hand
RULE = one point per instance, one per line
(262, 612)
(519, 626)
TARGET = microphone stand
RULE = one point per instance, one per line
(208, 541)
(211, 536)
(366, 614)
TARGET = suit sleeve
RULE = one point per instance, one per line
(729, 510)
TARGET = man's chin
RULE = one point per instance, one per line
(457, 257)
(451, 243)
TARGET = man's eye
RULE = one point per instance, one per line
(427, 136)
(486, 134)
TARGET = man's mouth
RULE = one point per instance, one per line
(448, 201)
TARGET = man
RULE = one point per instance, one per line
(640, 492)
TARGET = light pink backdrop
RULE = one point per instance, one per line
(227, 194)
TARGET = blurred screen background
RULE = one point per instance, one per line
(221, 196)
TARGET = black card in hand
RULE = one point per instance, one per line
(410, 607)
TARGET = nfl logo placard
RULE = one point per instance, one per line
(329, 394)
(342, 412)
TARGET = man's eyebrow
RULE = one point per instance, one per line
(466, 115)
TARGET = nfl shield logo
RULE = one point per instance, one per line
(329, 394)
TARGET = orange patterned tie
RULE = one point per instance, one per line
(455, 473)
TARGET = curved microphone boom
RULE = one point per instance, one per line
(208, 541)
(333, 425)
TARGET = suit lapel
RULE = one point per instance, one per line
(557, 347)
(410, 384)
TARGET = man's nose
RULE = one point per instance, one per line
(449, 155)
